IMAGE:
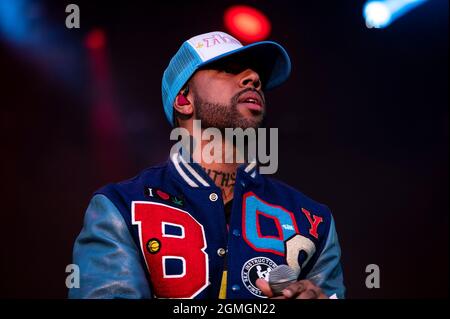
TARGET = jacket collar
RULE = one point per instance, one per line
(192, 174)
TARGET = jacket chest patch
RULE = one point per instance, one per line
(156, 193)
(173, 244)
(254, 269)
(273, 229)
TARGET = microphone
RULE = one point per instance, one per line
(280, 277)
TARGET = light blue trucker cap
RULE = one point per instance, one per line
(270, 59)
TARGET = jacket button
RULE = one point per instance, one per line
(236, 233)
(235, 288)
(213, 197)
(221, 252)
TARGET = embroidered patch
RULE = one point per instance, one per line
(164, 196)
(255, 268)
(153, 246)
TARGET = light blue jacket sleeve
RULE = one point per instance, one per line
(327, 271)
(108, 258)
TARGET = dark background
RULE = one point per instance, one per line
(363, 128)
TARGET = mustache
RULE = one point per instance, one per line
(235, 99)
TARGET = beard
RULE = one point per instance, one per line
(223, 116)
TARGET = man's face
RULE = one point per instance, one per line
(228, 95)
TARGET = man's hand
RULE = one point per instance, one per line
(303, 289)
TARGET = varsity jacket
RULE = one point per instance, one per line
(163, 234)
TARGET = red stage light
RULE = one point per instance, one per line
(246, 23)
(95, 39)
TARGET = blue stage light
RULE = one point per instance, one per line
(379, 14)
(13, 24)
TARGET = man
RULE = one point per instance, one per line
(192, 228)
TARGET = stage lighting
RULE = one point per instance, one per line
(247, 24)
(17, 20)
(379, 14)
(95, 39)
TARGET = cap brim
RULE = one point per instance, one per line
(268, 58)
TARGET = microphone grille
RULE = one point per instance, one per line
(282, 273)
